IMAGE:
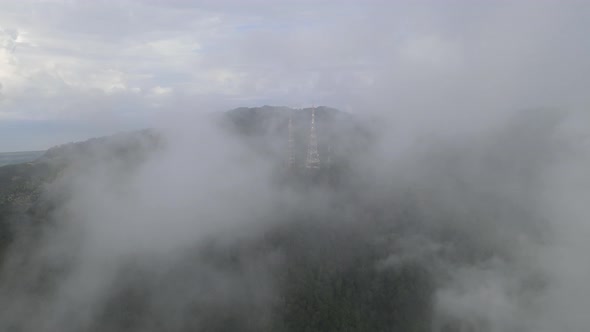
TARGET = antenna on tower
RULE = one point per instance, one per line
(313, 156)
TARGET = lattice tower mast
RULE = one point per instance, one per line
(313, 156)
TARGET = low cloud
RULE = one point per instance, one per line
(494, 220)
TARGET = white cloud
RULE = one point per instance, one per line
(161, 91)
(362, 55)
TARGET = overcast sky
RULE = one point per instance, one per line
(70, 70)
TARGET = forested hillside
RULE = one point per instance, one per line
(129, 233)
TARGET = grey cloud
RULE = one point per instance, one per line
(370, 51)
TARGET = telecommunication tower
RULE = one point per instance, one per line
(313, 156)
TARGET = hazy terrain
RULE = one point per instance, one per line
(206, 228)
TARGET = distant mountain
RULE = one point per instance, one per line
(21, 184)
(265, 128)
(339, 134)
(319, 269)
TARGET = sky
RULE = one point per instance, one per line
(74, 69)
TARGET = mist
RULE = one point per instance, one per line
(495, 220)
(456, 198)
